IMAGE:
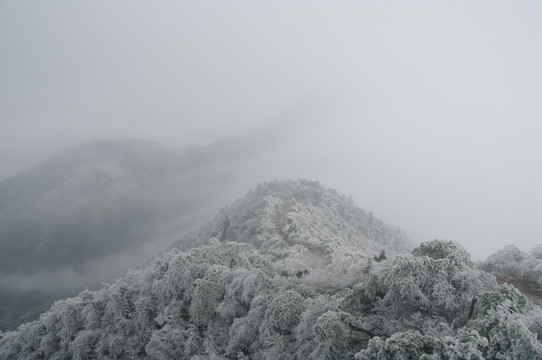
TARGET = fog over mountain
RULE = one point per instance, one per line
(109, 197)
(433, 115)
(126, 127)
(96, 210)
(89, 214)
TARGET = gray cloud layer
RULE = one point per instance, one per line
(436, 105)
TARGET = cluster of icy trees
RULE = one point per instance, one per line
(511, 261)
(228, 300)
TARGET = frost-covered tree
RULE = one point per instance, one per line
(207, 294)
(282, 314)
(333, 335)
(504, 316)
(437, 280)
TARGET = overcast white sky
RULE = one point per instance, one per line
(437, 122)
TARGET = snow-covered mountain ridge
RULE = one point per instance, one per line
(302, 212)
(255, 290)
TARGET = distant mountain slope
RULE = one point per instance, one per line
(106, 197)
(91, 201)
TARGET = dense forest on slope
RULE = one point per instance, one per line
(226, 300)
(275, 280)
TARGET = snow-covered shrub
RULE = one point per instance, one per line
(511, 261)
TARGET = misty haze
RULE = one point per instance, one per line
(270, 180)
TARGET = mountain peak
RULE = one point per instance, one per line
(300, 212)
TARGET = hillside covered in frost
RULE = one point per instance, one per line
(301, 214)
(292, 271)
